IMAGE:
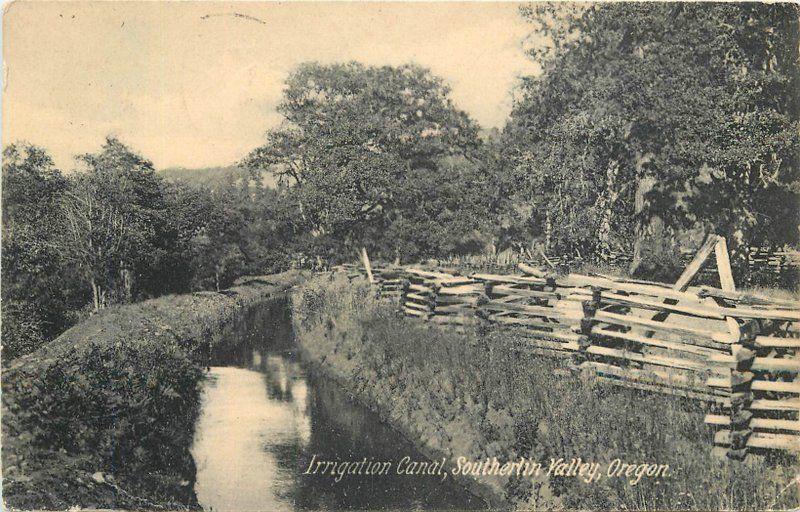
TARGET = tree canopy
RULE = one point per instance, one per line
(361, 152)
(690, 107)
(37, 297)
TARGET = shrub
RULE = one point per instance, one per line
(22, 329)
(661, 259)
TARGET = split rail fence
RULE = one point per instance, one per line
(763, 264)
(738, 352)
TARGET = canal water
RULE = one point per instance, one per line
(265, 416)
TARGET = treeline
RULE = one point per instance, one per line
(650, 125)
(115, 231)
(654, 123)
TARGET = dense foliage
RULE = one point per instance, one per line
(38, 298)
(689, 110)
(380, 157)
(115, 231)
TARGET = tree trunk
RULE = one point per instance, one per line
(606, 208)
(316, 232)
(95, 295)
(644, 222)
(642, 219)
(127, 286)
(548, 231)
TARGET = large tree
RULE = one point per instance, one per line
(125, 230)
(690, 109)
(356, 144)
(37, 294)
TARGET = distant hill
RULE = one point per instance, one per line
(211, 177)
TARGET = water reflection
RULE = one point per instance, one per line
(264, 417)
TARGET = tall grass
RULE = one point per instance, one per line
(484, 394)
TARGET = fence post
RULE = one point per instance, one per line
(480, 311)
(741, 394)
(435, 287)
(405, 282)
(590, 307)
(367, 266)
(551, 285)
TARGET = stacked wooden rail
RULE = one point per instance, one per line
(779, 265)
(760, 375)
(734, 351)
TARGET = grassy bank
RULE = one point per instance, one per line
(104, 415)
(481, 394)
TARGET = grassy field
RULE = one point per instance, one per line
(482, 394)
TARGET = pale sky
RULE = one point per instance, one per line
(195, 84)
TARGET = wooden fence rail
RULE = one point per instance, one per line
(737, 352)
(762, 265)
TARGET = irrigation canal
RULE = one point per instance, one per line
(266, 417)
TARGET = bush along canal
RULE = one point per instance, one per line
(275, 433)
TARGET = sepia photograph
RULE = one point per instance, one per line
(321, 256)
